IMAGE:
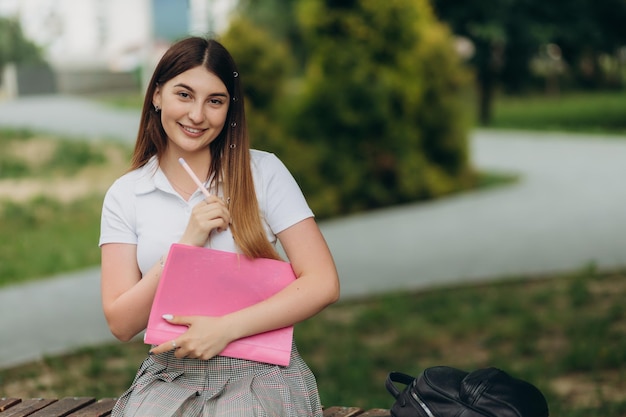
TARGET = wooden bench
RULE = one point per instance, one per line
(90, 407)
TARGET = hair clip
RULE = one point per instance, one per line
(232, 146)
(233, 124)
(235, 99)
(235, 74)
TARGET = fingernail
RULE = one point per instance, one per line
(167, 316)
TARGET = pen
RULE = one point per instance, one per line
(194, 178)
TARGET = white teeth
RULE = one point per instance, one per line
(190, 130)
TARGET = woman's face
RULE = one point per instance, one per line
(194, 106)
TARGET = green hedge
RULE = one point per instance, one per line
(377, 115)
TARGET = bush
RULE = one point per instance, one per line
(267, 70)
(376, 116)
(381, 104)
(264, 63)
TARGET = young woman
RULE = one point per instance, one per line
(194, 109)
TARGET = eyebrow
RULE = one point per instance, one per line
(185, 86)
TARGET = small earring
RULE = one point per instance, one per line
(157, 108)
(235, 74)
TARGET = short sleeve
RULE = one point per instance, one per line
(281, 199)
(118, 223)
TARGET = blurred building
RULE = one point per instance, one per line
(96, 45)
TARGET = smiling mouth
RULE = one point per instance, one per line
(192, 130)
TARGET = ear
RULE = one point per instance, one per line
(156, 97)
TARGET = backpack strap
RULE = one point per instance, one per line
(397, 377)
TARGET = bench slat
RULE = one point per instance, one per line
(98, 409)
(6, 403)
(342, 411)
(337, 411)
(64, 406)
(376, 412)
(27, 407)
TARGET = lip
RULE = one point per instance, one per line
(191, 131)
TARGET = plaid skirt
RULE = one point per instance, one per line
(222, 386)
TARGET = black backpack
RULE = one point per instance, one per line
(442, 391)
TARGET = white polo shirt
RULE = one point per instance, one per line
(142, 208)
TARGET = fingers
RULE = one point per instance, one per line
(208, 215)
(164, 347)
(203, 339)
(213, 213)
(180, 320)
(175, 344)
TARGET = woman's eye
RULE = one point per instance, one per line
(183, 94)
(215, 101)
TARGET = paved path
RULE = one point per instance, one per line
(568, 209)
(70, 116)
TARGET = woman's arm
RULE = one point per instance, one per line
(126, 296)
(316, 287)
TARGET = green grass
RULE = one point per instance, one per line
(27, 154)
(43, 237)
(571, 112)
(566, 334)
(54, 227)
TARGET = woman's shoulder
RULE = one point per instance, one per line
(132, 181)
(259, 155)
(264, 160)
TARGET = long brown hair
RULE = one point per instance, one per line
(230, 151)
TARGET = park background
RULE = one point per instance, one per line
(370, 104)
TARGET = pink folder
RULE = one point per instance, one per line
(201, 281)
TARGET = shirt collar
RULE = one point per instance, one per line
(151, 177)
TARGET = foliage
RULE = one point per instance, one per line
(278, 17)
(267, 70)
(507, 34)
(380, 104)
(563, 333)
(14, 47)
(263, 63)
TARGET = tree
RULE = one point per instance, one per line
(485, 23)
(380, 102)
(14, 47)
(278, 17)
(263, 61)
(585, 30)
(508, 33)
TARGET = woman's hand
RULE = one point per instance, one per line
(211, 213)
(205, 338)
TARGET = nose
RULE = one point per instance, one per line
(196, 112)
